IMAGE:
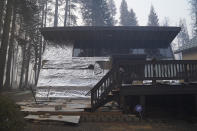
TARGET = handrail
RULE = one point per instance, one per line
(100, 82)
(103, 87)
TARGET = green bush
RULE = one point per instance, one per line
(11, 119)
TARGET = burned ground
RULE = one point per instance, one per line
(157, 121)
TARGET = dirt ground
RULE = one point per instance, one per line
(167, 123)
(118, 126)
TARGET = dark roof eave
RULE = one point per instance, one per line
(97, 28)
(139, 34)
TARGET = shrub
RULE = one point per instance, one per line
(11, 119)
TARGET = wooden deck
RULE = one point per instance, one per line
(179, 89)
(126, 70)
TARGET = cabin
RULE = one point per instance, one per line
(106, 41)
(141, 68)
(188, 51)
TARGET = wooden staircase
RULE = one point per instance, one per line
(106, 90)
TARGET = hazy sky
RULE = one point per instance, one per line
(173, 9)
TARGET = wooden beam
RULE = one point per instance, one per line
(158, 90)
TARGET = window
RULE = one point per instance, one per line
(161, 53)
(137, 51)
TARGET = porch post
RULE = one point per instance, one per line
(123, 103)
(195, 103)
(143, 101)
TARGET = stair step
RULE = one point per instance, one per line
(115, 91)
(110, 95)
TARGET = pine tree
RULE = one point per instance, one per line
(124, 14)
(153, 18)
(66, 12)
(56, 13)
(11, 45)
(194, 13)
(166, 21)
(22, 18)
(96, 13)
(153, 21)
(106, 14)
(69, 17)
(5, 40)
(127, 18)
(31, 16)
(183, 36)
(2, 3)
(132, 18)
(112, 9)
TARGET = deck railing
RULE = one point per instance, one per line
(127, 71)
(160, 70)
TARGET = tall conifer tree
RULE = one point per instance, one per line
(69, 17)
(153, 21)
(5, 40)
(56, 13)
(183, 36)
(112, 9)
(194, 13)
(153, 18)
(124, 13)
(96, 13)
(127, 18)
(2, 3)
(166, 21)
(132, 18)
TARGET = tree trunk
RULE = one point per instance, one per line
(39, 60)
(42, 12)
(39, 57)
(66, 14)
(2, 4)
(42, 25)
(41, 43)
(27, 66)
(36, 63)
(56, 14)
(14, 65)
(23, 67)
(37, 49)
(45, 22)
(10, 51)
(45, 17)
(5, 40)
(15, 58)
(69, 13)
(24, 54)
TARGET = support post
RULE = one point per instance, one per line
(143, 101)
(195, 103)
(92, 102)
(180, 111)
(123, 103)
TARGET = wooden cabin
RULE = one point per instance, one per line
(188, 51)
(142, 63)
(107, 41)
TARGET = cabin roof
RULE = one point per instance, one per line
(114, 36)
